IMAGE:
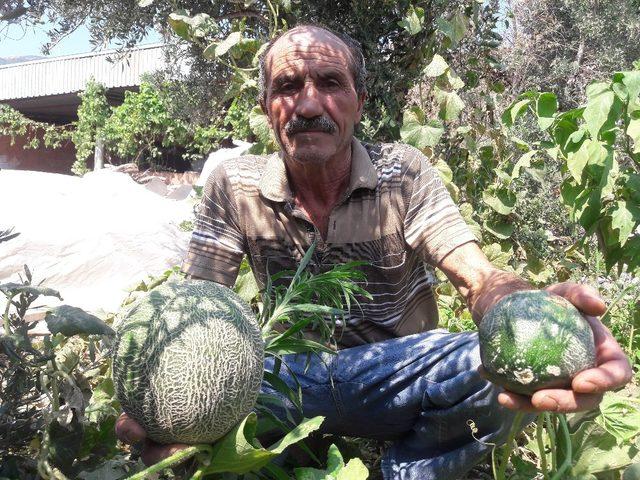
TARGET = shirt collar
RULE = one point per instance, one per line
(274, 183)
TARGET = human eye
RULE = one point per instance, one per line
(285, 85)
(331, 82)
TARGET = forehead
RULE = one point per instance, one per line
(309, 46)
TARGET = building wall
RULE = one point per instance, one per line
(42, 159)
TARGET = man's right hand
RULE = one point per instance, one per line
(129, 431)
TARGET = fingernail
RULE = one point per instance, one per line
(548, 403)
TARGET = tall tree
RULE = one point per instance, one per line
(563, 45)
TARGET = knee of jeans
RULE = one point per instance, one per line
(464, 387)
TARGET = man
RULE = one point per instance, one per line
(392, 379)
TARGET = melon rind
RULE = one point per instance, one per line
(188, 361)
(532, 340)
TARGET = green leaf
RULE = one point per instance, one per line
(591, 152)
(18, 288)
(224, 46)
(620, 416)
(101, 404)
(546, 107)
(450, 104)
(466, 210)
(335, 462)
(453, 80)
(180, 24)
(633, 130)
(296, 345)
(336, 469)
(234, 453)
(537, 271)
(597, 111)
(419, 132)
(501, 230)
(512, 113)
(413, 21)
(587, 207)
(436, 67)
(446, 174)
(259, 124)
(596, 451)
(246, 286)
(498, 256)
(502, 201)
(455, 29)
(353, 470)
(624, 218)
(631, 81)
(210, 52)
(302, 431)
(308, 473)
(523, 162)
(69, 321)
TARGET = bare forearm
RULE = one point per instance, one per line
(491, 289)
(477, 280)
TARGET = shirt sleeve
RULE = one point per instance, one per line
(217, 243)
(433, 226)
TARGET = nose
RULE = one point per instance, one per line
(308, 103)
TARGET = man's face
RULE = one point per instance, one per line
(311, 101)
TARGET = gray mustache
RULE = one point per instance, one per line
(301, 124)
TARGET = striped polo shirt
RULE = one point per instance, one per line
(396, 215)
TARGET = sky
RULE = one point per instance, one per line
(17, 41)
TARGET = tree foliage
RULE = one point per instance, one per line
(562, 46)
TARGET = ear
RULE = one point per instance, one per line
(265, 110)
(361, 99)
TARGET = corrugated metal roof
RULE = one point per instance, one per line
(59, 75)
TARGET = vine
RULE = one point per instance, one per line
(14, 124)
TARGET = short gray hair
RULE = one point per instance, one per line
(357, 67)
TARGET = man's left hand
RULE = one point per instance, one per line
(613, 369)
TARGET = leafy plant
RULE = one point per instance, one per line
(45, 394)
(92, 115)
(599, 146)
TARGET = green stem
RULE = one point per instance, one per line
(197, 475)
(7, 323)
(543, 454)
(607, 313)
(567, 446)
(178, 457)
(506, 452)
(551, 431)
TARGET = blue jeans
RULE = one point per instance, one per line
(422, 392)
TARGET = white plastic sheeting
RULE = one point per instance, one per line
(214, 158)
(90, 238)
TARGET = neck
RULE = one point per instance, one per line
(318, 187)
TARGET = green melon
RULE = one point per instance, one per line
(532, 340)
(188, 361)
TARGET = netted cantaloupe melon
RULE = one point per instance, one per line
(188, 361)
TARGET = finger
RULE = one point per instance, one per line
(513, 401)
(613, 370)
(584, 297)
(564, 401)
(128, 430)
(154, 452)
